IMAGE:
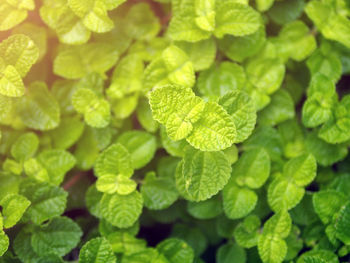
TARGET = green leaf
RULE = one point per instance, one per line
(295, 41)
(272, 249)
(158, 192)
(141, 146)
(204, 173)
(240, 48)
(57, 163)
(20, 52)
(235, 19)
(264, 5)
(47, 201)
(205, 14)
(214, 131)
(144, 116)
(326, 154)
(25, 146)
(92, 200)
(267, 138)
(207, 209)
(97, 250)
(316, 254)
(73, 62)
(124, 242)
(114, 160)
(96, 111)
(93, 14)
(242, 109)
(4, 242)
(342, 224)
(231, 253)
(141, 23)
(327, 203)
(246, 233)
(69, 27)
(265, 74)
(67, 133)
(302, 169)
(58, 237)
(337, 129)
(283, 12)
(280, 109)
(13, 208)
(279, 225)
(11, 84)
(39, 109)
(252, 168)
(201, 53)
(110, 183)
(176, 251)
(320, 102)
(12, 14)
(220, 80)
(121, 210)
(333, 25)
(172, 67)
(183, 26)
(238, 201)
(127, 77)
(283, 194)
(178, 115)
(327, 63)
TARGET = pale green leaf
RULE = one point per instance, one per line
(242, 109)
(235, 19)
(214, 131)
(110, 183)
(13, 208)
(20, 52)
(272, 249)
(114, 160)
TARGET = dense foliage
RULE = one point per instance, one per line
(174, 131)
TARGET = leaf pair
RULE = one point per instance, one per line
(287, 190)
(250, 172)
(198, 20)
(17, 55)
(322, 107)
(187, 116)
(13, 13)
